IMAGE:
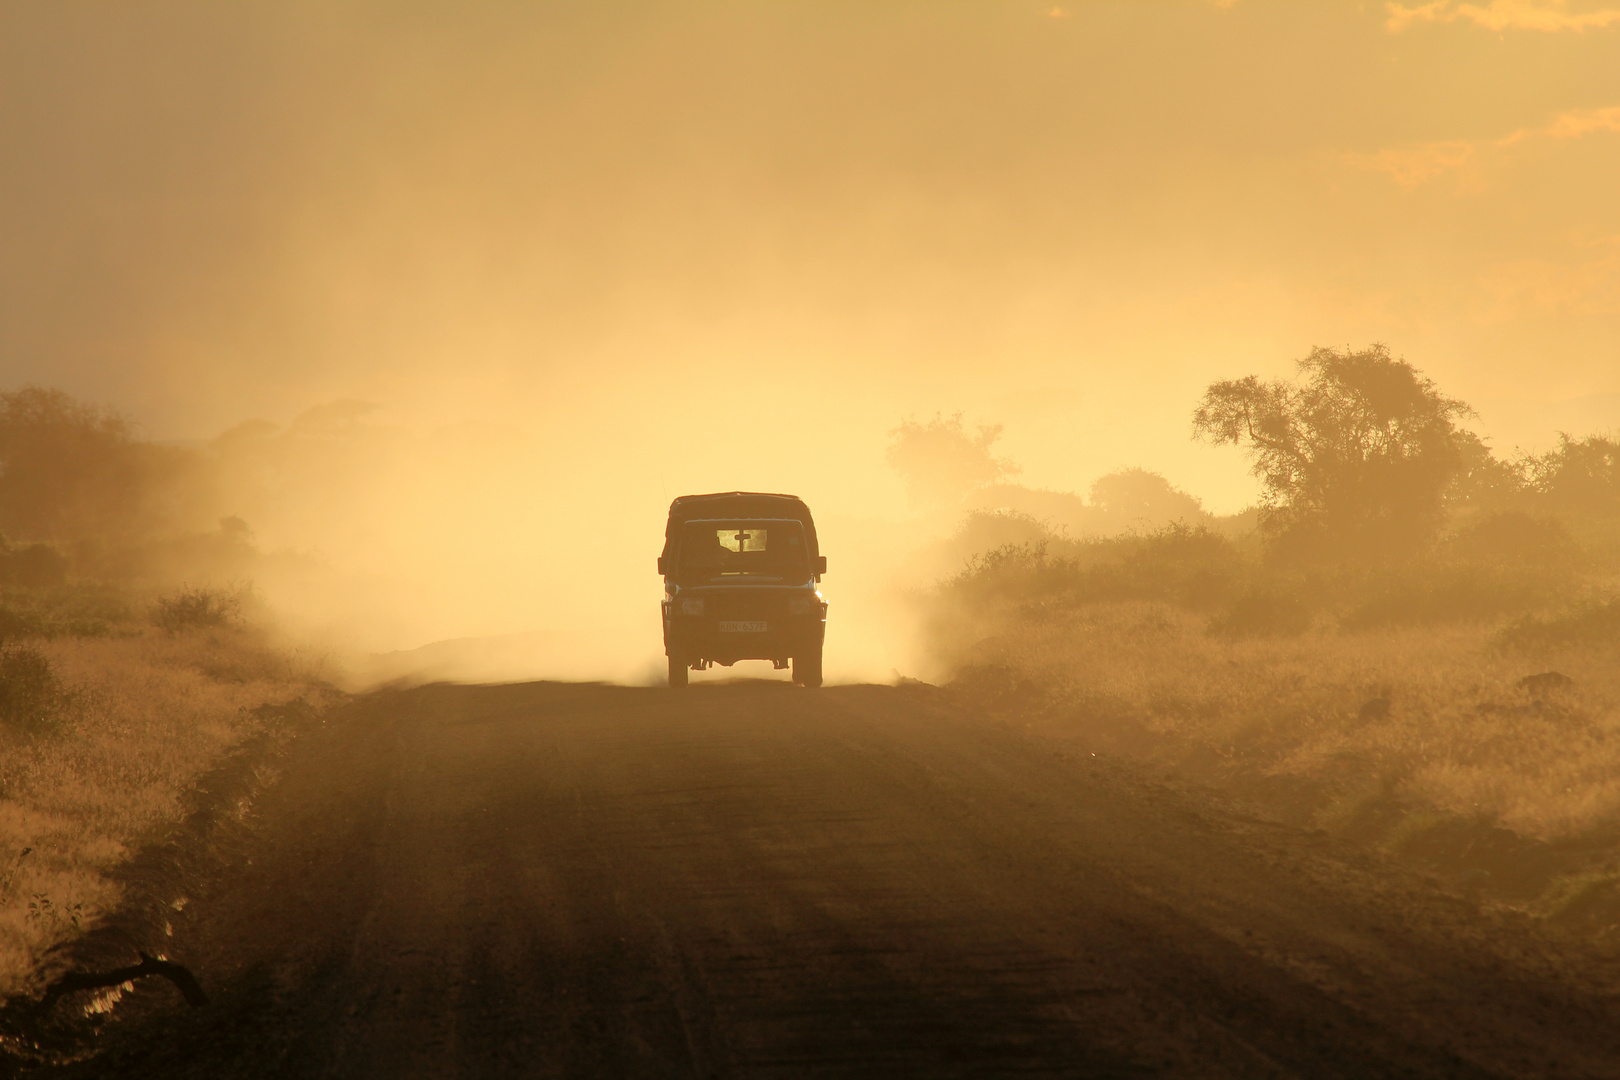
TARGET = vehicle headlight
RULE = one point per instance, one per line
(800, 605)
(692, 607)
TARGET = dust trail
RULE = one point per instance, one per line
(585, 259)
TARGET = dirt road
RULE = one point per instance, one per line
(752, 880)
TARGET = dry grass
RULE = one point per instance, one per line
(149, 713)
(1458, 734)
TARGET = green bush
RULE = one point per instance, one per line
(31, 695)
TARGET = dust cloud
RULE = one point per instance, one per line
(454, 300)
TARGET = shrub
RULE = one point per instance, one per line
(16, 624)
(1188, 565)
(82, 609)
(1429, 595)
(33, 566)
(1596, 624)
(1262, 613)
(1515, 538)
(983, 531)
(1013, 572)
(31, 695)
(1181, 564)
(197, 608)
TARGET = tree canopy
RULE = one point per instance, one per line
(1582, 476)
(1355, 455)
(72, 472)
(65, 467)
(1137, 495)
(940, 461)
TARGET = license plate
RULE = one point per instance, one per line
(736, 626)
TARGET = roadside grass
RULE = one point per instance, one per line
(32, 696)
(196, 607)
(1460, 710)
(139, 714)
(80, 609)
(1432, 714)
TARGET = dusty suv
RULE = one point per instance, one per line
(740, 571)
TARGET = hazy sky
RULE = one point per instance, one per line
(683, 246)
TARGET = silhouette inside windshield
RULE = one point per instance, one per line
(720, 549)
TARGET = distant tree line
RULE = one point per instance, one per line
(1362, 458)
(70, 471)
(947, 467)
(83, 494)
(72, 476)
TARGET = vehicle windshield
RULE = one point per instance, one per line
(723, 550)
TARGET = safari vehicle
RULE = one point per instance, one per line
(740, 571)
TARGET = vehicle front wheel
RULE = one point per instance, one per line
(677, 669)
(807, 669)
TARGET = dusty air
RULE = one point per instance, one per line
(799, 540)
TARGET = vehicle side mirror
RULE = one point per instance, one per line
(821, 565)
(661, 564)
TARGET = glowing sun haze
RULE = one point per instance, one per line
(588, 257)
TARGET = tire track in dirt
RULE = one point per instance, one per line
(753, 880)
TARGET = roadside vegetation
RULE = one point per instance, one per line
(1412, 641)
(121, 681)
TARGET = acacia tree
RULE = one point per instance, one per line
(1581, 477)
(940, 461)
(1355, 455)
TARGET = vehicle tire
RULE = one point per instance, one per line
(807, 669)
(677, 669)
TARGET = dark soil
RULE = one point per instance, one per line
(754, 880)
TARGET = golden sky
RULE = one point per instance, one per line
(664, 247)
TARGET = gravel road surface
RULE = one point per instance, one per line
(754, 880)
